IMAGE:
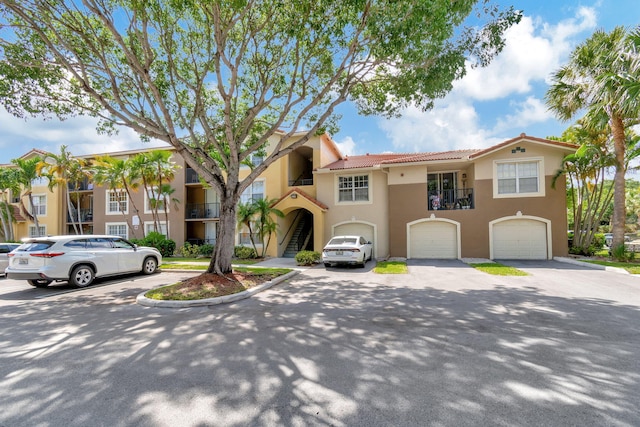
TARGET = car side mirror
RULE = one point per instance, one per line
(369, 243)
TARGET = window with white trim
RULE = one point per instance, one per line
(514, 178)
(353, 188)
(33, 233)
(253, 192)
(115, 199)
(39, 204)
(152, 197)
(162, 228)
(117, 229)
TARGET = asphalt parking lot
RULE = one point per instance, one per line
(445, 345)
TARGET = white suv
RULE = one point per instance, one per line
(78, 259)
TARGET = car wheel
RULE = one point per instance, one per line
(150, 265)
(81, 276)
(39, 283)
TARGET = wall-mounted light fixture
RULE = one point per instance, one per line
(294, 196)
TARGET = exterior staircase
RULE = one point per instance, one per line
(299, 239)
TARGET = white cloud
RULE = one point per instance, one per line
(470, 116)
(347, 146)
(77, 133)
(531, 110)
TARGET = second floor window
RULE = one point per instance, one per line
(254, 192)
(117, 202)
(39, 205)
(153, 200)
(353, 188)
(517, 177)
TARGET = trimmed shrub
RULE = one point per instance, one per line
(189, 250)
(206, 250)
(156, 240)
(244, 252)
(308, 257)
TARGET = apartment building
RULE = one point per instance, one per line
(496, 202)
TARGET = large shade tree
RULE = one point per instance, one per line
(595, 80)
(218, 79)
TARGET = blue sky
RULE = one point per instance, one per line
(488, 106)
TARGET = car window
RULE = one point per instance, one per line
(121, 243)
(99, 243)
(77, 244)
(4, 249)
(35, 246)
(363, 241)
(342, 241)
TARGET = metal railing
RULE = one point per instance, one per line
(86, 215)
(83, 185)
(191, 177)
(461, 198)
(202, 210)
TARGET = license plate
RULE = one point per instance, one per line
(339, 252)
(23, 261)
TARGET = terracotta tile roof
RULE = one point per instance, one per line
(371, 160)
(303, 194)
(17, 214)
(524, 137)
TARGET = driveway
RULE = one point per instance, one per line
(445, 345)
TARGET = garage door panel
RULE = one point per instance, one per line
(433, 239)
(520, 239)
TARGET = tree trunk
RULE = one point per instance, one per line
(225, 242)
(35, 215)
(5, 222)
(619, 212)
(69, 210)
(78, 210)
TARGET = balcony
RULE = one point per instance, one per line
(83, 185)
(202, 210)
(451, 199)
(86, 215)
(300, 182)
(191, 177)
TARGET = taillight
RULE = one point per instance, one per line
(48, 255)
(10, 255)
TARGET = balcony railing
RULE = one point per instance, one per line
(86, 215)
(192, 177)
(202, 210)
(451, 199)
(80, 186)
(300, 182)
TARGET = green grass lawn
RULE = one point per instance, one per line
(165, 266)
(391, 267)
(498, 269)
(631, 267)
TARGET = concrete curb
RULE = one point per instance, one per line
(148, 302)
(590, 265)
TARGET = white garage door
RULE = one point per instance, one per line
(520, 239)
(356, 229)
(433, 239)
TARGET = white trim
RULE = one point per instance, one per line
(520, 216)
(541, 177)
(146, 203)
(145, 223)
(33, 227)
(126, 227)
(433, 218)
(46, 201)
(336, 187)
(371, 224)
(107, 201)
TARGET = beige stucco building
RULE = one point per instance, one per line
(493, 203)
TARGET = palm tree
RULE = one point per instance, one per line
(246, 213)
(265, 224)
(592, 81)
(8, 186)
(118, 175)
(26, 172)
(57, 168)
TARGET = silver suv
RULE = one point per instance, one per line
(78, 259)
